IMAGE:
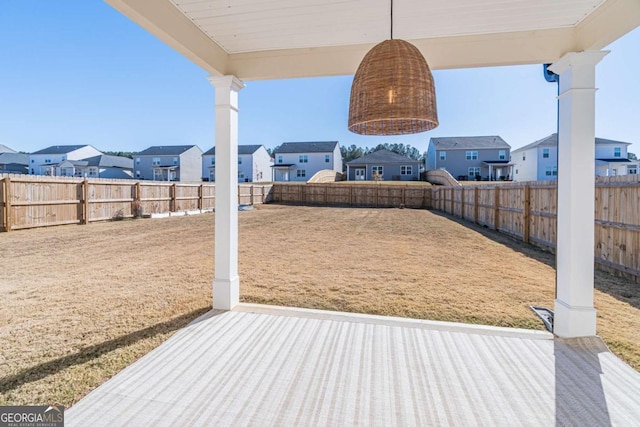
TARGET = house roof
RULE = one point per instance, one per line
(110, 161)
(382, 156)
(552, 141)
(242, 149)
(307, 147)
(60, 149)
(165, 150)
(14, 158)
(469, 142)
(5, 149)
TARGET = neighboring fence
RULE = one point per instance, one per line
(34, 201)
(326, 175)
(350, 194)
(528, 211)
(441, 177)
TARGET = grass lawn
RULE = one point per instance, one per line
(82, 302)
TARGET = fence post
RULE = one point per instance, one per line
(462, 202)
(452, 198)
(85, 202)
(526, 214)
(404, 196)
(496, 206)
(476, 199)
(351, 195)
(326, 190)
(172, 206)
(251, 194)
(6, 203)
(200, 191)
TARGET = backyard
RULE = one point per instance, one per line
(83, 302)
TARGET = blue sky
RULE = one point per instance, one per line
(79, 72)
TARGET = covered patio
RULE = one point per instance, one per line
(266, 366)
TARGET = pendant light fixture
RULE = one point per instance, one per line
(392, 91)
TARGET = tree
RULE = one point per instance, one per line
(272, 151)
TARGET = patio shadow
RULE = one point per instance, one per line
(86, 354)
(580, 397)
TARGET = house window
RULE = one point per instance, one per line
(155, 161)
(64, 158)
(516, 171)
(327, 158)
(443, 155)
(502, 154)
(47, 160)
(545, 153)
(33, 161)
(474, 171)
(632, 170)
(551, 171)
(303, 158)
(93, 171)
(213, 160)
(137, 174)
(239, 160)
(406, 170)
(377, 170)
(524, 157)
(279, 159)
(240, 175)
(301, 173)
(472, 155)
(137, 160)
(616, 152)
(175, 160)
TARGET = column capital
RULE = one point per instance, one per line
(570, 59)
(230, 82)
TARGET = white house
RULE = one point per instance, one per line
(254, 164)
(299, 161)
(169, 163)
(538, 161)
(46, 161)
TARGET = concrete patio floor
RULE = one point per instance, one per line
(264, 365)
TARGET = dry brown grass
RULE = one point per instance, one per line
(82, 302)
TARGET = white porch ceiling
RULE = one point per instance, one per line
(261, 39)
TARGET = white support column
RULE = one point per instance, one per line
(574, 314)
(226, 285)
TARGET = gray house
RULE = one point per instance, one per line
(385, 165)
(299, 161)
(14, 162)
(102, 166)
(471, 157)
(169, 163)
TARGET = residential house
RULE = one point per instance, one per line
(13, 162)
(384, 165)
(299, 161)
(5, 149)
(538, 161)
(169, 163)
(102, 166)
(471, 157)
(47, 161)
(254, 164)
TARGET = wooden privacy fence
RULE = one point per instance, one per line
(528, 211)
(29, 202)
(373, 195)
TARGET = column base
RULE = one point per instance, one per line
(573, 321)
(226, 293)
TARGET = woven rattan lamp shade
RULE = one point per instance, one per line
(392, 92)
